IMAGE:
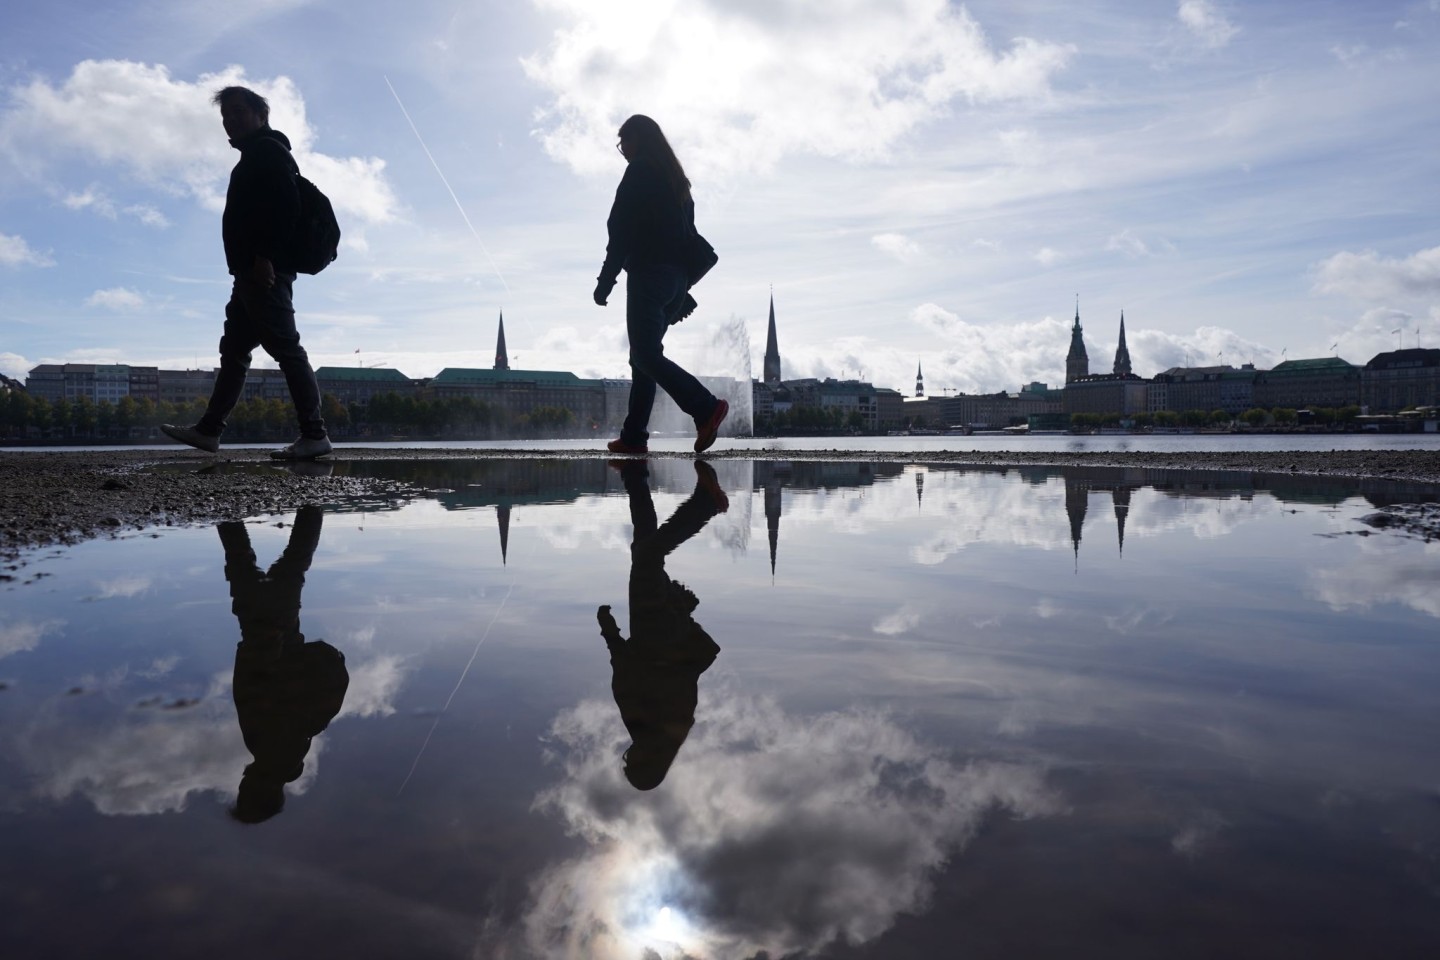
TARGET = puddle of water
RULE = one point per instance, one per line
(868, 710)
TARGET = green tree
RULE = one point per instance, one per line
(1194, 418)
(1285, 416)
(1219, 418)
(61, 413)
(1167, 418)
(1255, 417)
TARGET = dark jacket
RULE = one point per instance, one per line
(262, 203)
(647, 224)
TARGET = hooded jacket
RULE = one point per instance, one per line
(262, 203)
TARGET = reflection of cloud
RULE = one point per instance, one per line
(1392, 573)
(122, 587)
(25, 635)
(772, 832)
(140, 761)
(1195, 836)
(373, 686)
(899, 622)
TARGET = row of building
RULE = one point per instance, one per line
(1388, 383)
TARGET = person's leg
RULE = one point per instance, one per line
(635, 431)
(236, 343)
(649, 292)
(274, 317)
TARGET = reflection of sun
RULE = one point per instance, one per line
(652, 922)
(668, 927)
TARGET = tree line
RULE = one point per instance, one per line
(24, 416)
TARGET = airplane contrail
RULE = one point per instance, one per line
(475, 233)
(463, 674)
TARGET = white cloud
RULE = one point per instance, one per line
(1130, 244)
(1367, 276)
(1048, 256)
(15, 252)
(120, 299)
(738, 87)
(15, 366)
(98, 108)
(93, 198)
(771, 832)
(1206, 23)
(897, 245)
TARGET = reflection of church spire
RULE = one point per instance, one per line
(1122, 352)
(502, 358)
(1076, 494)
(772, 350)
(919, 488)
(1077, 361)
(919, 381)
(502, 514)
(772, 517)
(1121, 497)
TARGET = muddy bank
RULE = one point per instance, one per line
(58, 498)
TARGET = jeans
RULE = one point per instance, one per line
(257, 317)
(652, 295)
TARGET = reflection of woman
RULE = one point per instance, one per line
(286, 690)
(656, 672)
(651, 226)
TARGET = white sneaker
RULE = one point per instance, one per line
(303, 449)
(196, 439)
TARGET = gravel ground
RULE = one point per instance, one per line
(59, 498)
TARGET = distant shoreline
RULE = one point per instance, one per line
(63, 497)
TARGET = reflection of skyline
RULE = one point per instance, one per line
(505, 485)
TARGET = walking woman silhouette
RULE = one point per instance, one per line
(651, 228)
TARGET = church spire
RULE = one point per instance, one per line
(502, 358)
(772, 349)
(1122, 352)
(1077, 361)
(919, 381)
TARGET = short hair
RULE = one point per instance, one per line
(245, 95)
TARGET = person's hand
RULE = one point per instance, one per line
(263, 272)
(609, 629)
(602, 291)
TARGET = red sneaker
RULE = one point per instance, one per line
(708, 430)
(620, 446)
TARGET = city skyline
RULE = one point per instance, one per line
(918, 180)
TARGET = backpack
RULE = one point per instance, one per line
(317, 233)
(316, 241)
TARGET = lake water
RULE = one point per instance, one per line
(869, 710)
(883, 446)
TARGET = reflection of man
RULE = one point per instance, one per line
(286, 690)
(657, 670)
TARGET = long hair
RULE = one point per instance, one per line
(648, 142)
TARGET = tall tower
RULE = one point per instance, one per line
(502, 359)
(1122, 352)
(919, 381)
(772, 350)
(1077, 361)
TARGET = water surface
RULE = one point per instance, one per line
(868, 710)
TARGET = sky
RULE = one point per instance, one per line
(916, 182)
